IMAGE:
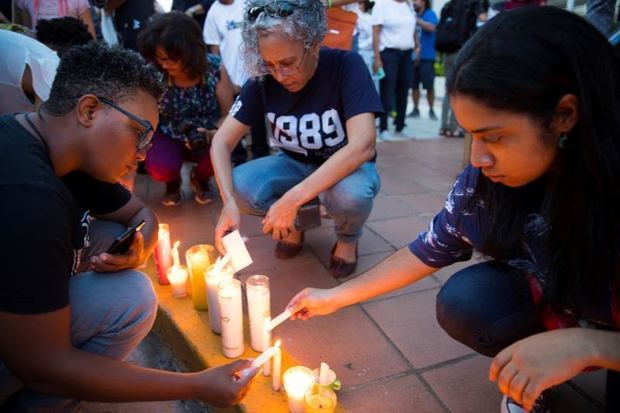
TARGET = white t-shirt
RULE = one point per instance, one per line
(223, 28)
(16, 52)
(364, 28)
(397, 20)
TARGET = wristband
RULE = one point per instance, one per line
(330, 3)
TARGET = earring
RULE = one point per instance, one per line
(563, 139)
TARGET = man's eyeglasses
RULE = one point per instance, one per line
(145, 137)
(278, 8)
(286, 69)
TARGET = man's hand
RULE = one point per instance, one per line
(133, 258)
(209, 133)
(280, 219)
(311, 302)
(229, 219)
(223, 387)
(529, 366)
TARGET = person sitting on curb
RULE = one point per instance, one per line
(66, 327)
(539, 200)
(320, 104)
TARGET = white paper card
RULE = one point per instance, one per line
(236, 249)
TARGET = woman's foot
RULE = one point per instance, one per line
(172, 197)
(343, 261)
(290, 246)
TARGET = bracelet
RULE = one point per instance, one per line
(330, 3)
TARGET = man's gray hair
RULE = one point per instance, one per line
(306, 24)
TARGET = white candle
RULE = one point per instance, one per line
(324, 374)
(235, 247)
(213, 277)
(177, 276)
(280, 319)
(266, 343)
(276, 376)
(257, 292)
(262, 359)
(297, 381)
(176, 261)
(231, 316)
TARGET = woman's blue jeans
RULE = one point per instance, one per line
(489, 306)
(261, 182)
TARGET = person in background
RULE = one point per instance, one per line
(198, 92)
(32, 11)
(364, 40)
(321, 106)
(539, 200)
(424, 64)
(394, 39)
(130, 17)
(62, 33)
(197, 9)
(67, 326)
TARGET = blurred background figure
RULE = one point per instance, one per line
(197, 9)
(62, 33)
(424, 63)
(30, 12)
(130, 17)
(198, 92)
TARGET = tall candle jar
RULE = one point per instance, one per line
(257, 292)
(212, 279)
(163, 258)
(198, 259)
(231, 316)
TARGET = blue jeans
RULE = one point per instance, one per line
(489, 306)
(261, 182)
(398, 68)
(110, 314)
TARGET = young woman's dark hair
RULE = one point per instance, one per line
(180, 36)
(522, 62)
(62, 33)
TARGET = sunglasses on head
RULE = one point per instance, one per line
(277, 9)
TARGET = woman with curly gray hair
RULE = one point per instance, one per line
(320, 106)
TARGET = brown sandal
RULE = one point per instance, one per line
(338, 267)
(285, 250)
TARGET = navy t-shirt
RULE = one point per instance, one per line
(310, 125)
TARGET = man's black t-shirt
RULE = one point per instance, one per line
(310, 125)
(43, 226)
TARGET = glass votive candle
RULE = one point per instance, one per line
(320, 399)
(177, 276)
(297, 381)
(258, 296)
(198, 259)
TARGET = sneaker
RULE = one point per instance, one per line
(431, 114)
(385, 135)
(415, 113)
(201, 189)
(172, 197)
(510, 406)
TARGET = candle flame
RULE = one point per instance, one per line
(277, 343)
(176, 244)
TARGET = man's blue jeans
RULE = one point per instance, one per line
(110, 314)
(261, 182)
(489, 306)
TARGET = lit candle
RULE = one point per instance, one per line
(231, 316)
(261, 360)
(162, 254)
(266, 344)
(198, 259)
(276, 376)
(320, 399)
(176, 261)
(215, 275)
(257, 292)
(280, 319)
(236, 249)
(177, 276)
(297, 381)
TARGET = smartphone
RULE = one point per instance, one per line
(122, 243)
(308, 216)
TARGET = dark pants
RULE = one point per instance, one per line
(398, 68)
(489, 306)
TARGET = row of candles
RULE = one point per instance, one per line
(214, 288)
